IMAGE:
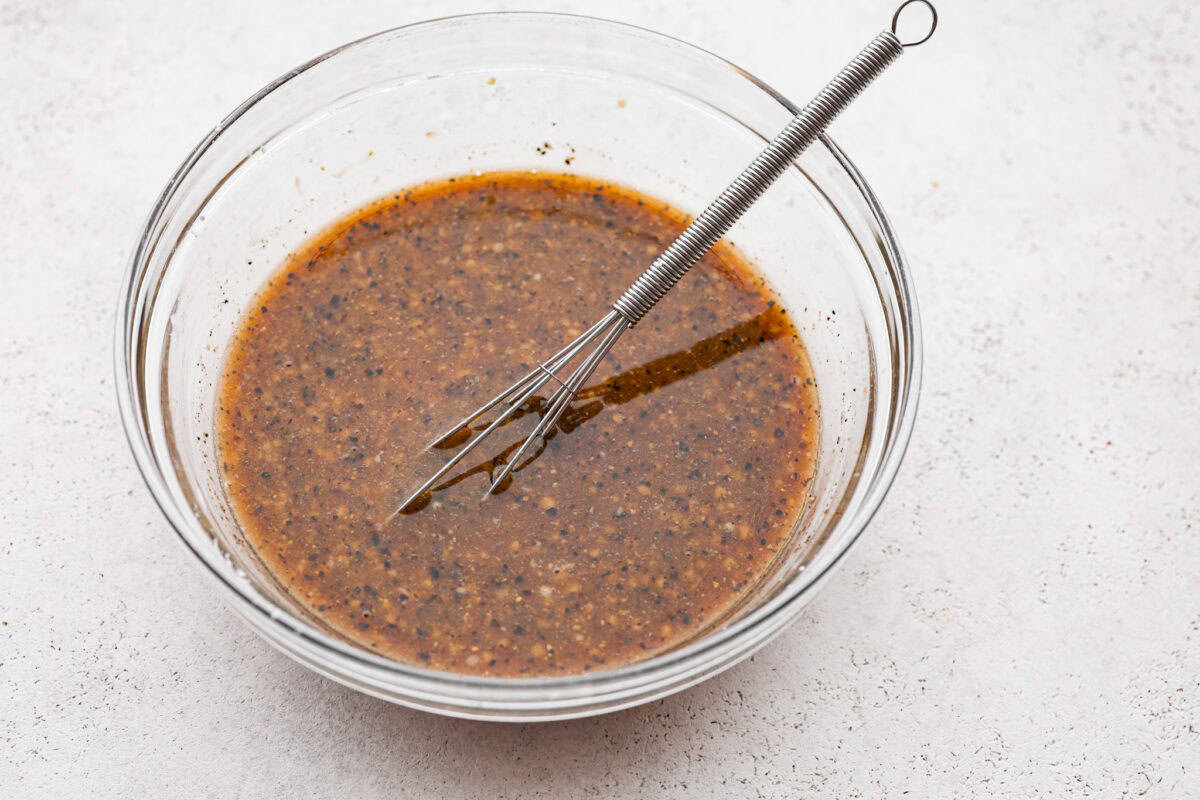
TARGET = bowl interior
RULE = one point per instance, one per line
(505, 91)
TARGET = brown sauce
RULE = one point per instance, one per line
(663, 496)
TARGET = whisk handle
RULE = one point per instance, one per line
(704, 231)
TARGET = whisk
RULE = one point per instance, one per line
(671, 265)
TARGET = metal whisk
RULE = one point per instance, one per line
(688, 248)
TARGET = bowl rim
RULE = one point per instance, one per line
(264, 614)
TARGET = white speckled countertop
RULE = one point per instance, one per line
(1023, 617)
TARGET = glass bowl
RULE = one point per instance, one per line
(511, 91)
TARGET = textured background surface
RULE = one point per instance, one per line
(1023, 618)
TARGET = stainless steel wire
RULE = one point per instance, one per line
(674, 262)
(708, 228)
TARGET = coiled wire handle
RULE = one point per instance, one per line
(691, 245)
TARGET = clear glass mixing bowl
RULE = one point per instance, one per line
(489, 92)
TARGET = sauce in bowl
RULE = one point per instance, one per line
(662, 497)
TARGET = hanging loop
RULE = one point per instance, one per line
(932, 24)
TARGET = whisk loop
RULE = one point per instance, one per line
(674, 262)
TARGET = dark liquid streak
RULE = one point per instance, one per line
(618, 389)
